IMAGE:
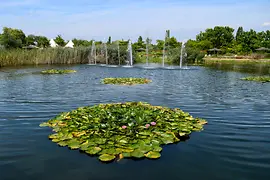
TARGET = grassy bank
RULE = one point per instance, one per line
(22, 57)
(19, 57)
(208, 61)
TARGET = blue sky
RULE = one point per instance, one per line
(89, 19)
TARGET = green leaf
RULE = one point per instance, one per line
(127, 155)
(157, 149)
(153, 155)
(145, 133)
(137, 153)
(74, 144)
(45, 124)
(106, 157)
(93, 150)
(62, 143)
(182, 134)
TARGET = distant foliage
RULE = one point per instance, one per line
(60, 41)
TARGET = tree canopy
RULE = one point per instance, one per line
(226, 38)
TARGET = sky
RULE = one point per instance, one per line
(128, 19)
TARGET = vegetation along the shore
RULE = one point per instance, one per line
(126, 81)
(16, 48)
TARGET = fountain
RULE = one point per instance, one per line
(181, 55)
(147, 53)
(93, 55)
(118, 49)
(147, 56)
(163, 54)
(130, 57)
(104, 53)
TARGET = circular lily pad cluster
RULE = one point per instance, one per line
(57, 71)
(122, 130)
(126, 81)
(263, 79)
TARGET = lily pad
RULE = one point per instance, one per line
(74, 144)
(106, 157)
(123, 130)
(137, 153)
(153, 155)
(262, 79)
(57, 71)
(126, 81)
(93, 150)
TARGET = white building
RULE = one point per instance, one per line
(53, 43)
(70, 44)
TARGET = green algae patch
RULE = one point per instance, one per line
(58, 71)
(262, 79)
(122, 130)
(126, 81)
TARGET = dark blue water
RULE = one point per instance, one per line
(234, 145)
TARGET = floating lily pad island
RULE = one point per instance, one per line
(122, 130)
(262, 79)
(58, 71)
(126, 81)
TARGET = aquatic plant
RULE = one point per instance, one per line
(57, 71)
(262, 79)
(122, 130)
(126, 81)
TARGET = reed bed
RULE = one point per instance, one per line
(78, 55)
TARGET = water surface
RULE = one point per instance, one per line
(234, 145)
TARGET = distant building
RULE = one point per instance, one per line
(70, 44)
(53, 43)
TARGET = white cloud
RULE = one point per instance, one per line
(132, 20)
(266, 24)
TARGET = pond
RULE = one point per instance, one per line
(235, 144)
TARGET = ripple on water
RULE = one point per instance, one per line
(233, 145)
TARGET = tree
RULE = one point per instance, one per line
(12, 38)
(172, 42)
(60, 41)
(219, 36)
(148, 41)
(42, 41)
(109, 40)
(160, 44)
(30, 40)
(81, 42)
(168, 35)
(139, 44)
(239, 34)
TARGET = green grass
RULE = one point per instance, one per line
(262, 79)
(236, 61)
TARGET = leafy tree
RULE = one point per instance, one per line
(12, 38)
(160, 44)
(123, 43)
(30, 40)
(172, 42)
(80, 42)
(139, 44)
(42, 41)
(109, 40)
(239, 34)
(148, 40)
(60, 41)
(219, 36)
(168, 35)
